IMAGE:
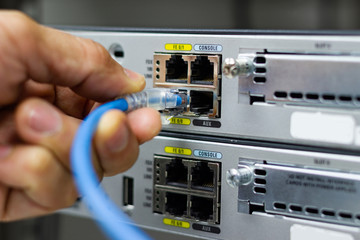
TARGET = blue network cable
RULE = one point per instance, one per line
(115, 224)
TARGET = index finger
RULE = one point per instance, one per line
(32, 51)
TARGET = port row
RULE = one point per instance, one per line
(188, 69)
(187, 188)
(196, 75)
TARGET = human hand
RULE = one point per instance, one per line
(49, 81)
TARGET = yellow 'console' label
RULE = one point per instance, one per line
(178, 47)
(176, 150)
(180, 121)
(176, 223)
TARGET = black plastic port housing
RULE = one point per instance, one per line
(201, 102)
(202, 208)
(176, 70)
(176, 204)
(202, 177)
(202, 71)
(128, 191)
(177, 173)
(187, 188)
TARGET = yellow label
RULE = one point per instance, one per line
(176, 150)
(176, 223)
(180, 121)
(178, 47)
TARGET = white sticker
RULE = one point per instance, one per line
(208, 47)
(300, 232)
(357, 136)
(207, 154)
(323, 127)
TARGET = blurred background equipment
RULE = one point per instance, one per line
(188, 14)
(210, 14)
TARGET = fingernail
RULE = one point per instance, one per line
(131, 74)
(44, 119)
(4, 151)
(119, 140)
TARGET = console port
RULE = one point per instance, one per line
(201, 102)
(176, 204)
(202, 208)
(176, 173)
(176, 70)
(202, 71)
(202, 177)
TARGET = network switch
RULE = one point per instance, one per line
(290, 87)
(267, 146)
(186, 187)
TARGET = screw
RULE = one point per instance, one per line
(237, 67)
(241, 176)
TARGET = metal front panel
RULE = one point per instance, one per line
(318, 76)
(232, 224)
(305, 193)
(318, 64)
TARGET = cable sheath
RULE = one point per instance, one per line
(115, 224)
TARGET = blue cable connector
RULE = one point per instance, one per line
(115, 224)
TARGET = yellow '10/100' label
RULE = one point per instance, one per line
(180, 121)
(178, 47)
(176, 150)
(176, 223)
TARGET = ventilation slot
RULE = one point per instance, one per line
(260, 190)
(345, 215)
(279, 206)
(295, 208)
(259, 80)
(344, 98)
(260, 172)
(296, 95)
(256, 98)
(260, 181)
(328, 97)
(312, 210)
(256, 208)
(260, 70)
(260, 60)
(312, 96)
(358, 217)
(328, 213)
(280, 94)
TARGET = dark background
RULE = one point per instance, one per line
(209, 14)
(193, 14)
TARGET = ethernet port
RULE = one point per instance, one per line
(202, 208)
(176, 204)
(202, 177)
(202, 71)
(201, 102)
(176, 70)
(176, 173)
